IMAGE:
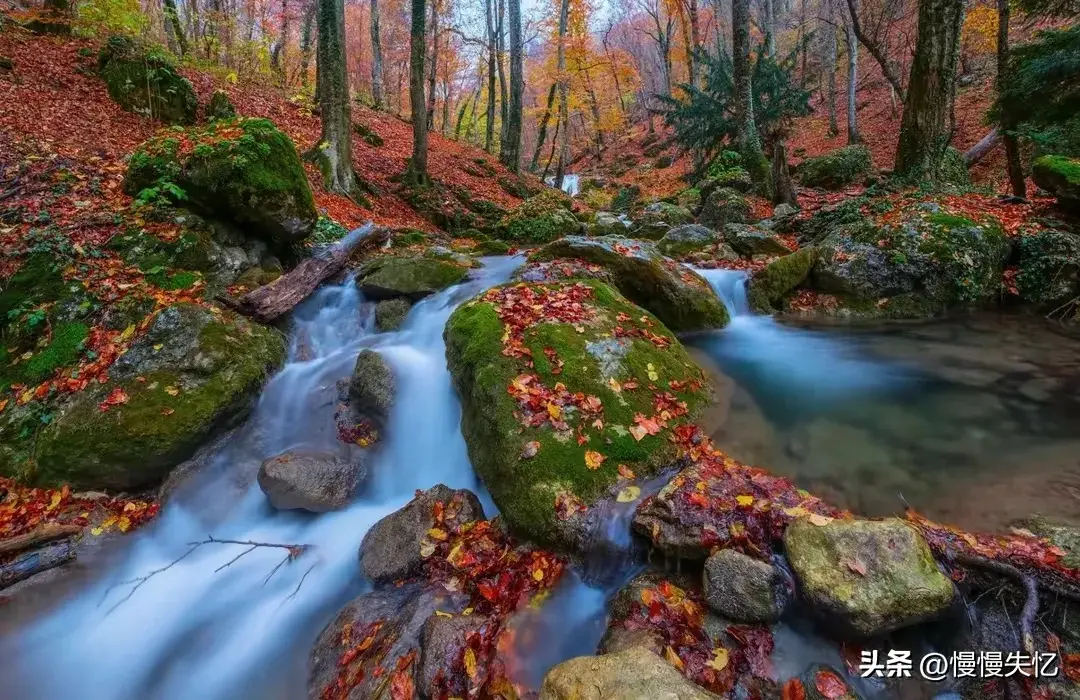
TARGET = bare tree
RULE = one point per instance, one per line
(852, 82)
(829, 63)
(418, 174)
(376, 57)
(564, 94)
(875, 50)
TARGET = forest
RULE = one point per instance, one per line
(565, 350)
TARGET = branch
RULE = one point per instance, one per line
(874, 49)
(40, 535)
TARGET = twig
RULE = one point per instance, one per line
(1027, 617)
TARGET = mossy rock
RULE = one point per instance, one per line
(61, 348)
(605, 223)
(193, 373)
(220, 106)
(1049, 269)
(367, 134)
(1060, 176)
(391, 313)
(771, 284)
(490, 247)
(725, 206)
(750, 241)
(538, 474)
(835, 169)
(953, 171)
(677, 295)
(411, 278)
(244, 171)
(658, 218)
(539, 219)
(690, 198)
(931, 262)
(6, 64)
(687, 238)
(37, 281)
(144, 79)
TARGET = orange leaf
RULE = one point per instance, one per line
(593, 459)
(829, 685)
(793, 690)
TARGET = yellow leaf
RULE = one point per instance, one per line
(538, 575)
(158, 346)
(614, 384)
(96, 532)
(593, 459)
(440, 613)
(796, 512)
(128, 332)
(554, 411)
(719, 660)
(437, 534)
(653, 376)
(638, 432)
(172, 390)
(744, 500)
(673, 658)
(820, 520)
(124, 523)
(470, 662)
(427, 548)
(628, 494)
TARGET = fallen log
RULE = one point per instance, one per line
(280, 296)
(45, 533)
(31, 563)
(980, 150)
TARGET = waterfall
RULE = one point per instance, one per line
(730, 286)
(571, 183)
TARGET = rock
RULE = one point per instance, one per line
(391, 313)
(539, 219)
(678, 296)
(411, 278)
(867, 578)
(744, 589)
(314, 481)
(391, 549)
(6, 64)
(685, 239)
(769, 285)
(220, 106)
(244, 171)
(1049, 269)
(1060, 176)
(658, 218)
(373, 388)
(930, 262)
(607, 224)
(749, 241)
(192, 373)
(442, 644)
(824, 683)
(784, 211)
(634, 674)
(690, 199)
(537, 475)
(724, 206)
(835, 169)
(144, 79)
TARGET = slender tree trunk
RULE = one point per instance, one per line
(554, 144)
(173, 20)
(1013, 165)
(335, 148)
(433, 69)
(277, 53)
(830, 66)
(594, 107)
(500, 45)
(447, 100)
(564, 95)
(925, 129)
(770, 27)
(695, 40)
(307, 34)
(803, 43)
(852, 84)
(511, 145)
(376, 57)
(417, 39)
(879, 55)
(541, 132)
(472, 110)
(747, 141)
(489, 136)
(784, 190)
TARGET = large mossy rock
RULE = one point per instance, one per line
(865, 577)
(408, 278)
(749, 241)
(725, 206)
(607, 224)
(678, 296)
(930, 262)
(769, 285)
(553, 383)
(539, 219)
(193, 372)
(1049, 269)
(220, 106)
(1059, 176)
(835, 169)
(687, 238)
(144, 79)
(658, 218)
(634, 674)
(243, 171)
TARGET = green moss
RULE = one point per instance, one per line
(836, 169)
(949, 221)
(220, 106)
(490, 248)
(144, 79)
(178, 280)
(37, 281)
(367, 134)
(1061, 177)
(408, 238)
(625, 198)
(769, 285)
(539, 219)
(411, 277)
(1049, 269)
(1067, 168)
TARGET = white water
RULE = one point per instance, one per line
(571, 184)
(193, 632)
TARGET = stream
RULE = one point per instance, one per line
(928, 411)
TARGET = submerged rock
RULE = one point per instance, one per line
(634, 674)
(393, 548)
(678, 296)
(391, 313)
(194, 372)
(749, 241)
(744, 589)
(409, 278)
(373, 387)
(144, 79)
(314, 481)
(866, 577)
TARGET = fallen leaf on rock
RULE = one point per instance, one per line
(820, 520)
(856, 565)
(829, 685)
(744, 500)
(115, 398)
(470, 662)
(172, 390)
(628, 494)
(673, 658)
(593, 459)
(719, 660)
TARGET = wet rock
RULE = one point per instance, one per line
(373, 387)
(442, 644)
(836, 169)
(864, 577)
(145, 80)
(744, 589)
(411, 278)
(313, 481)
(769, 285)
(607, 224)
(1049, 269)
(685, 239)
(658, 218)
(634, 674)
(749, 241)
(725, 206)
(393, 548)
(391, 313)
(784, 211)
(679, 297)
(824, 683)
(1060, 176)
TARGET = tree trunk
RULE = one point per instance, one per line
(770, 27)
(417, 39)
(376, 57)
(980, 150)
(594, 107)
(334, 151)
(1013, 165)
(489, 136)
(541, 132)
(747, 141)
(31, 563)
(695, 40)
(306, 35)
(925, 129)
(447, 101)
(277, 53)
(564, 95)
(830, 66)
(173, 20)
(433, 69)
(500, 46)
(781, 178)
(880, 56)
(852, 85)
(511, 145)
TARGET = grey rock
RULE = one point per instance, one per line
(442, 643)
(724, 206)
(391, 313)
(686, 238)
(607, 224)
(744, 589)
(373, 387)
(634, 674)
(314, 481)
(752, 240)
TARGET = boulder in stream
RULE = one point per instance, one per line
(313, 481)
(373, 387)
(744, 589)
(769, 285)
(443, 641)
(412, 278)
(633, 674)
(864, 577)
(391, 313)
(749, 241)
(607, 224)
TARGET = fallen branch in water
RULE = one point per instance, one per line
(293, 552)
(30, 563)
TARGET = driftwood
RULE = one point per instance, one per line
(980, 150)
(280, 296)
(46, 533)
(31, 563)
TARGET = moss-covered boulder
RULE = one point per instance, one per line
(678, 296)
(658, 218)
(725, 206)
(557, 408)
(748, 241)
(835, 169)
(633, 674)
(539, 219)
(686, 239)
(410, 278)
(605, 223)
(1059, 176)
(1049, 269)
(144, 79)
(193, 372)
(220, 106)
(243, 171)
(769, 285)
(866, 578)
(931, 261)
(391, 313)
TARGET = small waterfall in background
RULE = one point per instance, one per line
(571, 183)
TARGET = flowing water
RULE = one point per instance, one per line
(571, 183)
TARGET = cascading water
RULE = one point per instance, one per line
(207, 628)
(571, 183)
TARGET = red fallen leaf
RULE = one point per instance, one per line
(1070, 666)
(115, 398)
(830, 685)
(856, 565)
(401, 685)
(793, 690)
